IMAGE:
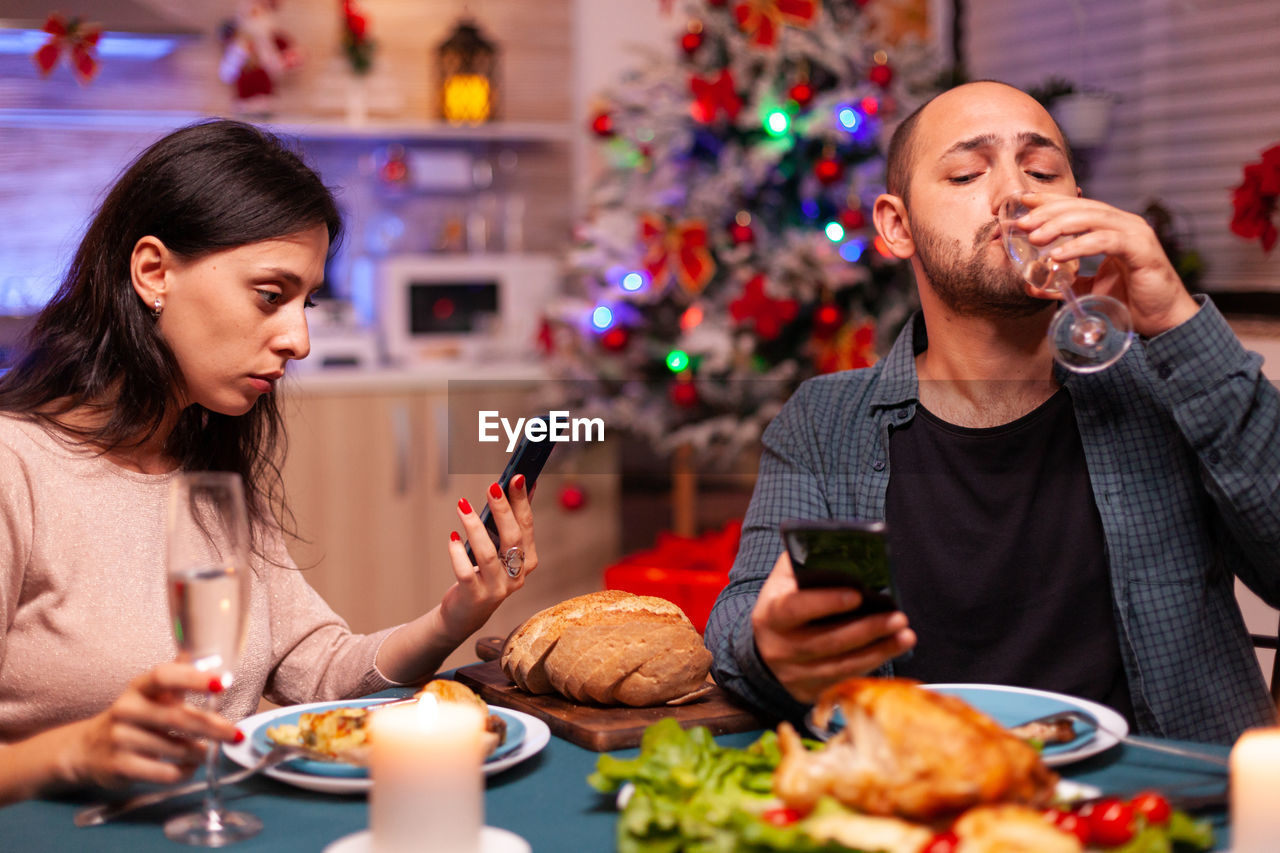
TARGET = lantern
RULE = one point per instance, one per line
(468, 79)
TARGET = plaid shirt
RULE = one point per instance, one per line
(1180, 439)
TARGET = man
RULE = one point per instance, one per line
(1072, 532)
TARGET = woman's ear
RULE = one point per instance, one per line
(890, 216)
(147, 267)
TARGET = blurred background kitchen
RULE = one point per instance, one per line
(652, 209)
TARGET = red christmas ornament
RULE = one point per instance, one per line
(881, 75)
(572, 497)
(828, 170)
(741, 233)
(616, 339)
(690, 42)
(852, 218)
(827, 319)
(801, 93)
(684, 395)
(602, 125)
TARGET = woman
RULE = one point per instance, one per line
(160, 353)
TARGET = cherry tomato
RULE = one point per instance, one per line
(1153, 807)
(943, 842)
(1069, 822)
(1110, 822)
(781, 816)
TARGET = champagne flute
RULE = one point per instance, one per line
(208, 559)
(1089, 332)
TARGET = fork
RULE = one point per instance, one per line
(1090, 720)
(103, 812)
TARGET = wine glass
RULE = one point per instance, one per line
(208, 558)
(1089, 332)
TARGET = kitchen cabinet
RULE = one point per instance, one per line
(373, 481)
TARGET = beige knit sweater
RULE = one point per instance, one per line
(84, 606)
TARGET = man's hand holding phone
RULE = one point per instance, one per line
(813, 638)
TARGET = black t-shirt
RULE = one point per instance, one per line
(998, 556)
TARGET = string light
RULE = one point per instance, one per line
(634, 282)
(852, 251)
(834, 231)
(849, 118)
(777, 122)
(602, 317)
(677, 360)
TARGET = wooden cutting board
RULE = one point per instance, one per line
(601, 728)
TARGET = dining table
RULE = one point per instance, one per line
(545, 799)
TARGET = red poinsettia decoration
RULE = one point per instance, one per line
(713, 95)
(1254, 201)
(763, 19)
(78, 39)
(679, 248)
(768, 315)
(355, 37)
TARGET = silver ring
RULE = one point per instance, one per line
(514, 561)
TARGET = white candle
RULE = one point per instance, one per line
(428, 785)
(1255, 781)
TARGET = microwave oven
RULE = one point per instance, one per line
(433, 307)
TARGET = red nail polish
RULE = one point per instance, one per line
(464, 506)
(215, 685)
(517, 481)
(239, 738)
(495, 491)
(454, 537)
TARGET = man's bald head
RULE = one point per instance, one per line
(902, 153)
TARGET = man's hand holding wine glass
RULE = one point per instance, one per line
(1136, 270)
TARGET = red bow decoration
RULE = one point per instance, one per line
(769, 315)
(852, 347)
(680, 248)
(711, 95)
(79, 39)
(763, 19)
(1255, 200)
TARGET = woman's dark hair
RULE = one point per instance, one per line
(211, 186)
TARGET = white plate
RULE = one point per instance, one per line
(1011, 706)
(492, 840)
(536, 737)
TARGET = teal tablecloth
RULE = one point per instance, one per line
(545, 799)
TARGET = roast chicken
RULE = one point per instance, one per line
(911, 753)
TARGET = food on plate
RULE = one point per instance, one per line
(1045, 732)
(610, 647)
(687, 792)
(342, 734)
(909, 752)
(338, 734)
(445, 690)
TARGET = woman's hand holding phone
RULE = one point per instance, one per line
(807, 655)
(484, 584)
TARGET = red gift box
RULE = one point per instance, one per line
(688, 571)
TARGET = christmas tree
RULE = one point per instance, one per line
(728, 253)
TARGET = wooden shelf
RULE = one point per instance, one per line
(303, 127)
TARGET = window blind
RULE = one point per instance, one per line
(1196, 88)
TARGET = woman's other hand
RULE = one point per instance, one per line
(149, 734)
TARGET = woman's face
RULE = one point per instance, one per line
(234, 318)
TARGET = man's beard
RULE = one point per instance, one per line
(971, 286)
